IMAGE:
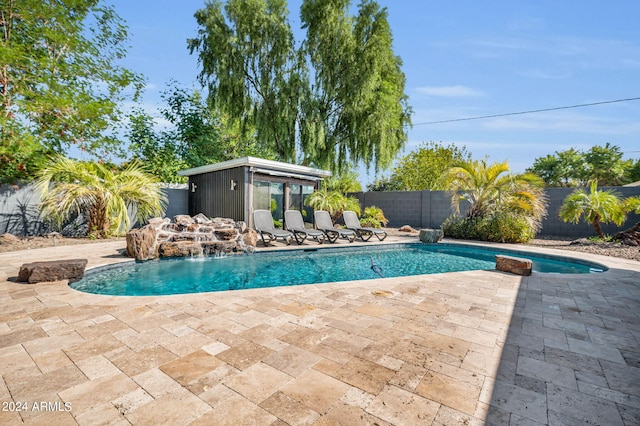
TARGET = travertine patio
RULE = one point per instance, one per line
(459, 348)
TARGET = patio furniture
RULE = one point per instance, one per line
(352, 222)
(263, 223)
(294, 223)
(323, 222)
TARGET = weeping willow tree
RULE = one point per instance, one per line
(356, 109)
(337, 98)
(252, 69)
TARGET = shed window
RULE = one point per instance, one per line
(269, 196)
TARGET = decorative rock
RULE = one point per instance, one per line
(250, 237)
(226, 234)
(188, 237)
(201, 218)
(183, 220)
(406, 228)
(431, 236)
(56, 270)
(179, 249)
(141, 243)
(513, 265)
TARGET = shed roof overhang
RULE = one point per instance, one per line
(261, 165)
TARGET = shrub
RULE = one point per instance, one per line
(504, 226)
(373, 217)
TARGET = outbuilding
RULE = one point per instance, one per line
(236, 188)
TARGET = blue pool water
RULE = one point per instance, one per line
(179, 276)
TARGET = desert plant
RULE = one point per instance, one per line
(497, 201)
(596, 207)
(334, 202)
(102, 194)
(373, 217)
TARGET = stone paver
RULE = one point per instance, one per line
(473, 348)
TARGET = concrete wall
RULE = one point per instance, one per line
(428, 209)
(420, 209)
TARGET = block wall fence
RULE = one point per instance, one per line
(419, 209)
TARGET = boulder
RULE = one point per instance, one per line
(141, 243)
(179, 249)
(431, 236)
(406, 228)
(188, 236)
(56, 270)
(213, 247)
(250, 237)
(226, 234)
(513, 265)
(201, 218)
(183, 220)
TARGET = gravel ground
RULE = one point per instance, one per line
(605, 249)
(28, 243)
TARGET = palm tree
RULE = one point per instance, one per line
(335, 202)
(630, 205)
(105, 196)
(597, 207)
(487, 187)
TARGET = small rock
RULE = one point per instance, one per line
(407, 228)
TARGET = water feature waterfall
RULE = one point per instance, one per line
(190, 236)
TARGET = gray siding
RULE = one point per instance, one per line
(213, 195)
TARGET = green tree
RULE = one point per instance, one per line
(488, 187)
(344, 182)
(356, 108)
(252, 69)
(157, 151)
(576, 168)
(633, 172)
(424, 168)
(630, 235)
(564, 168)
(502, 206)
(197, 136)
(606, 166)
(384, 183)
(595, 206)
(102, 194)
(60, 82)
(335, 202)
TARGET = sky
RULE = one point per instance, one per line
(465, 59)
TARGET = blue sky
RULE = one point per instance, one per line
(466, 59)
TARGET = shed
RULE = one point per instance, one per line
(236, 188)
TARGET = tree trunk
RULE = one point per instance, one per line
(629, 236)
(596, 225)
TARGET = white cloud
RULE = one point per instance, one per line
(457, 91)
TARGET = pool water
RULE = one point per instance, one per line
(295, 267)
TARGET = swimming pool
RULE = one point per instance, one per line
(295, 267)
